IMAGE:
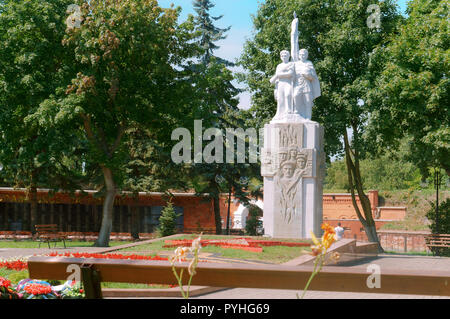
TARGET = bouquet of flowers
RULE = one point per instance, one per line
(71, 290)
(36, 289)
(6, 292)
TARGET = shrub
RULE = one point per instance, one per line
(168, 221)
(253, 225)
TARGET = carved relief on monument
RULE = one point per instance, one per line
(290, 135)
(288, 177)
(288, 166)
(300, 159)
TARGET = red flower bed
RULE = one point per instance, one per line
(107, 256)
(248, 244)
(17, 265)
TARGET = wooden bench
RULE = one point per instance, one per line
(435, 242)
(341, 279)
(49, 233)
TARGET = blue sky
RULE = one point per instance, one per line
(238, 15)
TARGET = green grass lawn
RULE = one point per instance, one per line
(273, 254)
(35, 244)
(13, 275)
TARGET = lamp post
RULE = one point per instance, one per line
(437, 183)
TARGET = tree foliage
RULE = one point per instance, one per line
(218, 109)
(129, 57)
(387, 171)
(32, 66)
(209, 33)
(411, 95)
(253, 224)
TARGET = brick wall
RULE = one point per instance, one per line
(353, 227)
(82, 211)
(403, 241)
(340, 206)
(391, 240)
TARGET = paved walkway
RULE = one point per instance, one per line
(246, 293)
(404, 262)
(385, 261)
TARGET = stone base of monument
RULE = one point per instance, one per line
(293, 166)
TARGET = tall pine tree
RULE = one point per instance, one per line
(219, 109)
(209, 33)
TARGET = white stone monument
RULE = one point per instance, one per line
(293, 160)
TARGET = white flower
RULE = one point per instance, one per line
(179, 254)
(196, 244)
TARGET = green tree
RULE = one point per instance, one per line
(218, 99)
(32, 65)
(387, 171)
(168, 221)
(411, 95)
(149, 169)
(253, 223)
(340, 43)
(336, 176)
(209, 34)
(129, 59)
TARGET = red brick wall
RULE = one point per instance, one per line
(353, 227)
(403, 241)
(198, 212)
(392, 213)
(340, 206)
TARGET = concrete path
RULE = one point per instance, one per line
(403, 262)
(385, 261)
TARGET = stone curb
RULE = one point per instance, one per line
(195, 291)
(348, 247)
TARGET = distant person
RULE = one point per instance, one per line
(339, 231)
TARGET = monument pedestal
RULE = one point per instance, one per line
(293, 167)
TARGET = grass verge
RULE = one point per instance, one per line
(272, 254)
(35, 244)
